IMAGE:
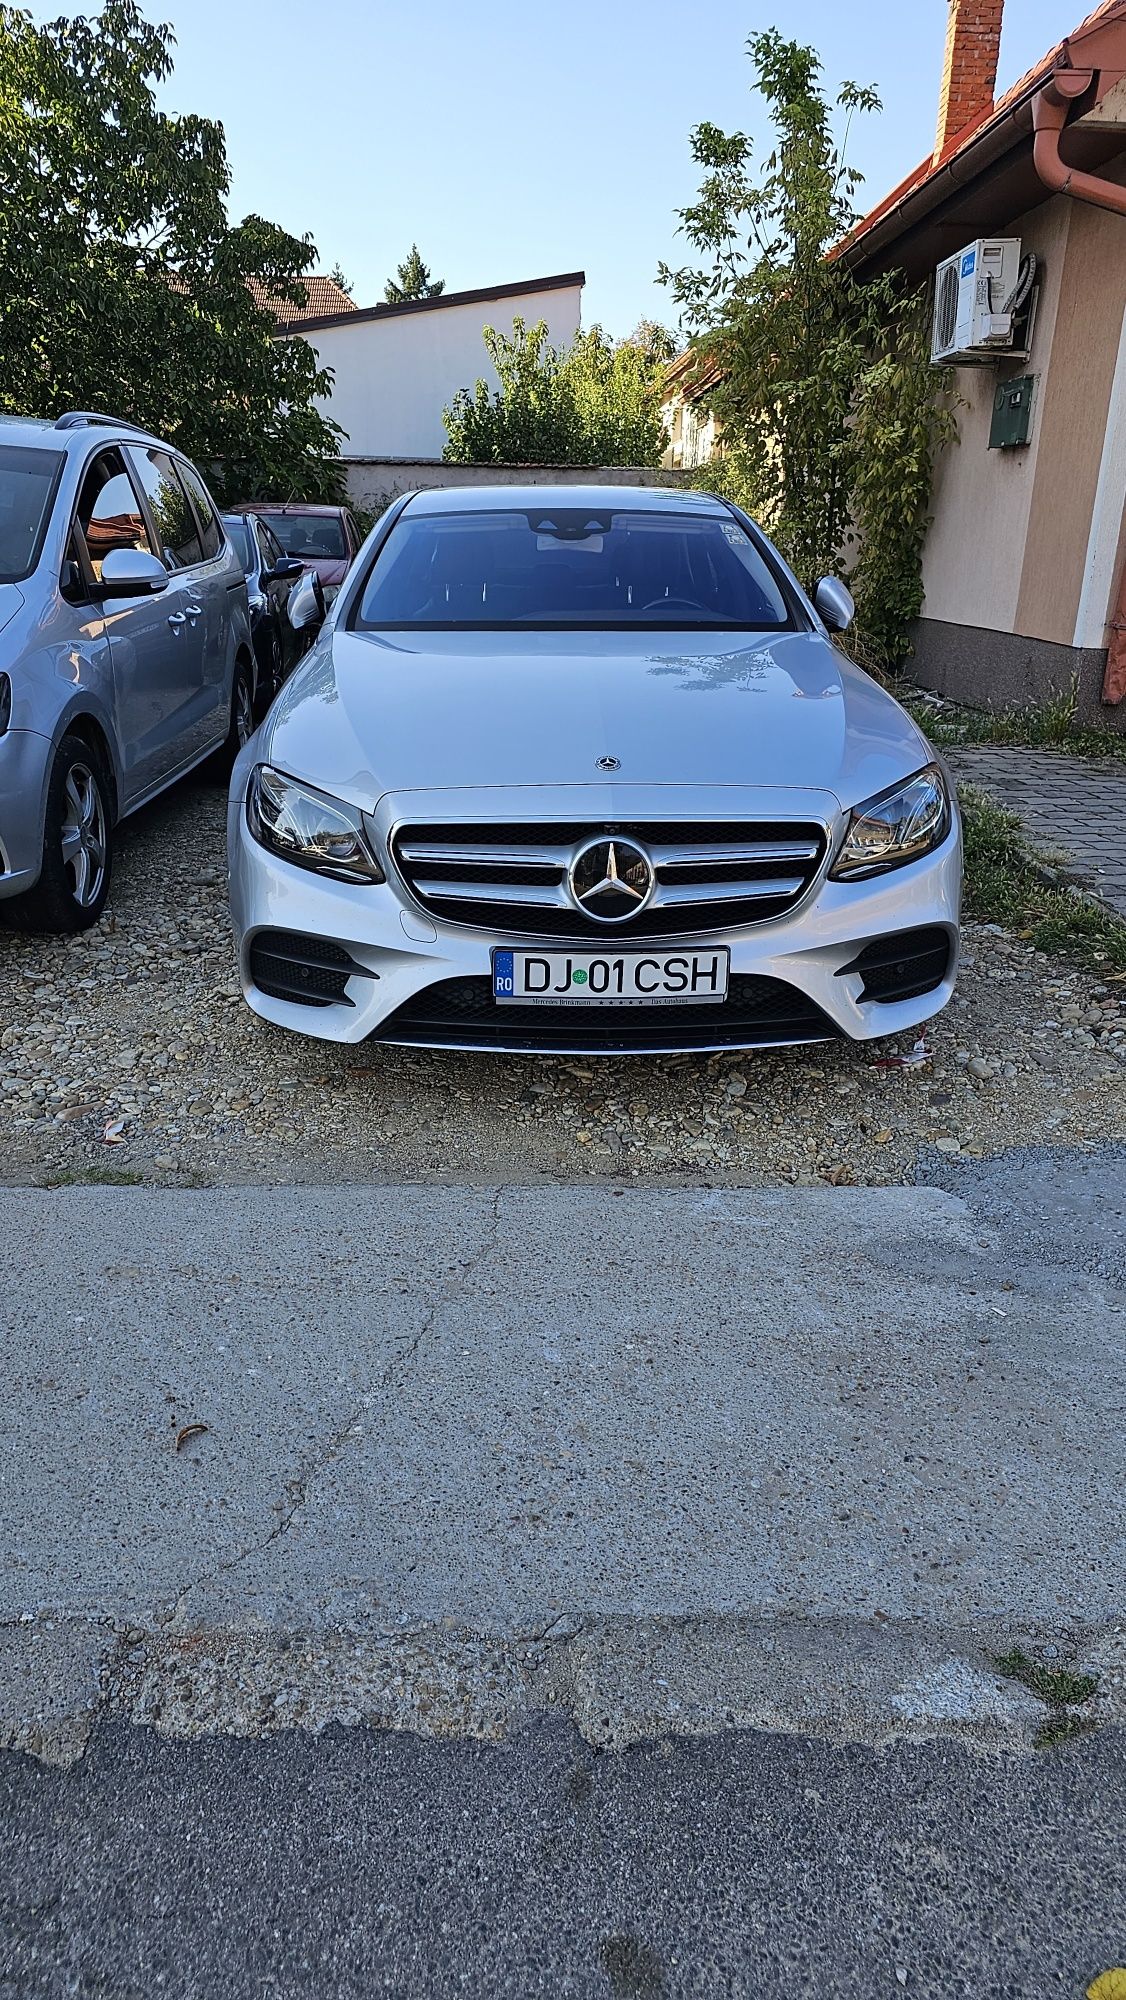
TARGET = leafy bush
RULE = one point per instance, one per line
(589, 404)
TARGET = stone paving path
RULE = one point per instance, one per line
(1073, 806)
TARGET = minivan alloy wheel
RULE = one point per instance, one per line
(84, 836)
(244, 709)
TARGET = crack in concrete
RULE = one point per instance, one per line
(560, 1629)
(298, 1485)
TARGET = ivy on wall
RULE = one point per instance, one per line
(831, 414)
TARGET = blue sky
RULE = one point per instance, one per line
(512, 139)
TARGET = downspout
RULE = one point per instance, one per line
(1114, 677)
(1050, 109)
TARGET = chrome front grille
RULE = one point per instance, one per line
(513, 878)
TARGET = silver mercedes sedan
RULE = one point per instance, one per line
(579, 769)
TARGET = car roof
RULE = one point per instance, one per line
(285, 507)
(77, 436)
(638, 499)
(38, 431)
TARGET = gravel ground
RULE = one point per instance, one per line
(129, 1053)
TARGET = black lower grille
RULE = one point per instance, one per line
(312, 971)
(904, 966)
(462, 1013)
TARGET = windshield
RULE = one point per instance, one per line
(27, 484)
(310, 535)
(569, 568)
(238, 534)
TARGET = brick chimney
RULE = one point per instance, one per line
(973, 44)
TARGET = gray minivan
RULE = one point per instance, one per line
(125, 650)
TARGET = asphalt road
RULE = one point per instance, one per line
(561, 1590)
(772, 1868)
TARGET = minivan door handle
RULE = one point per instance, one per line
(176, 619)
(194, 611)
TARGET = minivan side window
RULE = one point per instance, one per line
(208, 520)
(169, 507)
(109, 512)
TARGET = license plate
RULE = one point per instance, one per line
(609, 978)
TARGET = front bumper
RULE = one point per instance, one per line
(25, 771)
(391, 952)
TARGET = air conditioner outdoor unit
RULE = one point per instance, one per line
(973, 300)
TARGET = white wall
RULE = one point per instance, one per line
(394, 376)
(375, 482)
(982, 499)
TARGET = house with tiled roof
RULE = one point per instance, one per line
(1025, 562)
(322, 295)
(690, 422)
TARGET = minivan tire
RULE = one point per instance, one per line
(243, 722)
(270, 681)
(74, 879)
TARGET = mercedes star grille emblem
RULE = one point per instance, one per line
(611, 880)
(608, 764)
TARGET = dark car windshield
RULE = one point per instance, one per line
(310, 535)
(27, 484)
(564, 568)
(238, 534)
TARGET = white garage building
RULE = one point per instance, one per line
(397, 367)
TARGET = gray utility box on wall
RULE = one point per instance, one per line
(1012, 413)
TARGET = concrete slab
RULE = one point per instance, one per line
(532, 1419)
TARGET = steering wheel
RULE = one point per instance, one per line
(672, 604)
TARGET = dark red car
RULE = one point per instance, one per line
(324, 538)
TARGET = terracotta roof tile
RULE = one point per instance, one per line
(931, 165)
(322, 296)
(692, 375)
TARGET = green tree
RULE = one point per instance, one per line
(592, 403)
(659, 342)
(412, 280)
(830, 415)
(338, 278)
(615, 394)
(123, 286)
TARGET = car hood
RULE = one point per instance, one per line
(372, 713)
(330, 569)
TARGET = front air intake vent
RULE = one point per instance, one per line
(904, 966)
(759, 1012)
(312, 971)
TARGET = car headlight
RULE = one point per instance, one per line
(309, 828)
(895, 827)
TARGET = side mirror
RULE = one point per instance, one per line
(306, 607)
(286, 570)
(70, 582)
(834, 604)
(132, 573)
